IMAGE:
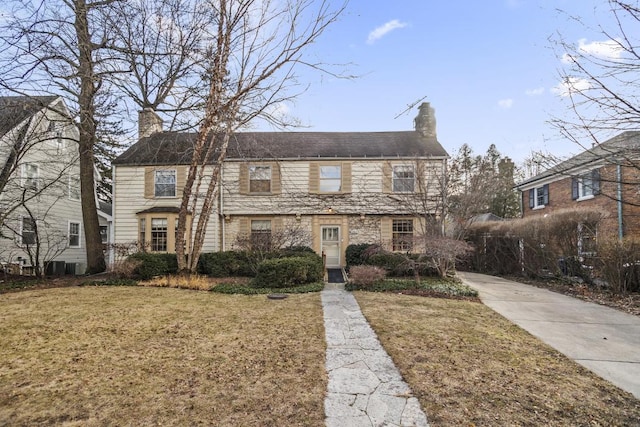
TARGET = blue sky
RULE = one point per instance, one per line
(487, 67)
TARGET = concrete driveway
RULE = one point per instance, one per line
(602, 339)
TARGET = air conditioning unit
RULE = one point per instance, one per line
(76, 268)
(56, 268)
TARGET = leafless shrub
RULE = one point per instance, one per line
(366, 275)
(619, 264)
(442, 253)
(534, 244)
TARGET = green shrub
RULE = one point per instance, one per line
(151, 265)
(233, 288)
(290, 271)
(395, 264)
(356, 255)
(432, 286)
(115, 281)
(225, 264)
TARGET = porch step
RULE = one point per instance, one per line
(334, 275)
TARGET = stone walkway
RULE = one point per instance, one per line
(365, 387)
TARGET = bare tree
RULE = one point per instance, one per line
(599, 80)
(64, 46)
(251, 67)
(160, 46)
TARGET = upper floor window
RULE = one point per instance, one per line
(402, 235)
(585, 186)
(539, 197)
(28, 231)
(30, 174)
(74, 234)
(165, 183)
(74, 187)
(403, 179)
(260, 179)
(330, 179)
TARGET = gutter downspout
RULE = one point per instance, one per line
(221, 216)
(619, 197)
(112, 228)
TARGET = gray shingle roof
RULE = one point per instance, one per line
(15, 109)
(624, 145)
(170, 148)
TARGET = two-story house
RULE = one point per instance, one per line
(40, 208)
(605, 177)
(325, 190)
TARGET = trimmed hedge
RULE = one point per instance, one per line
(290, 271)
(151, 265)
(354, 254)
(451, 288)
(225, 264)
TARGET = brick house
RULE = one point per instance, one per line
(604, 177)
(326, 189)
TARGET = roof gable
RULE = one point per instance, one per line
(624, 145)
(15, 109)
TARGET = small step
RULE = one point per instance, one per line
(334, 275)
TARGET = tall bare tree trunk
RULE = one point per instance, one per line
(87, 129)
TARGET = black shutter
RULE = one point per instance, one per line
(574, 188)
(595, 180)
(546, 194)
(532, 196)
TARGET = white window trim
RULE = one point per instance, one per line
(535, 198)
(70, 192)
(581, 188)
(175, 185)
(270, 178)
(69, 234)
(393, 178)
(21, 228)
(23, 174)
(320, 179)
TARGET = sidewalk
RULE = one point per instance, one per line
(365, 388)
(602, 339)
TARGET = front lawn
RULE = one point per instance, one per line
(470, 366)
(150, 356)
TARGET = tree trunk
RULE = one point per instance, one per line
(87, 129)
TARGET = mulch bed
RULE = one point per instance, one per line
(434, 294)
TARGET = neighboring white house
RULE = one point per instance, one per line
(325, 190)
(40, 208)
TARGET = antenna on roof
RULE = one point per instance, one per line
(410, 107)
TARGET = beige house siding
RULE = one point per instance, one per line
(131, 184)
(56, 156)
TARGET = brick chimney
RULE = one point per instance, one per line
(148, 123)
(425, 121)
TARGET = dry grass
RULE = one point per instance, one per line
(149, 356)
(193, 281)
(469, 366)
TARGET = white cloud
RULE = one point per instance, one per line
(384, 29)
(505, 103)
(570, 86)
(534, 92)
(608, 49)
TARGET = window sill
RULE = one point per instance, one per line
(535, 208)
(580, 199)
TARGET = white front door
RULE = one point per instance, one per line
(331, 245)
